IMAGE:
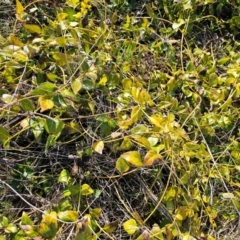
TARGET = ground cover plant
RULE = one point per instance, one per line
(119, 119)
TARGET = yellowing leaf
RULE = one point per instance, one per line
(84, 230)
(126, 144)
(48, 226)
(45, 104)
(122, 165)
(136, 114)
(151, 157)
(15, 41)
(130, 226)
(86, 190)
(98, 147)
(95, 213)
(32, 28)
(111, 227)
(19, 7)
(157, 120)
(68, 216)
(133, 157)
(182, 213)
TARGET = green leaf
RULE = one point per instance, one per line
(27, 105)
(222, 61)
(68, 216)
(32, 28)
(86, 190)
(64, 176)
(88, 84)
(130, 226)
(54, 126)
(4, 134)
(150, 11)
(122, 165)
(48, 226)
(133, 157)
(44, 88)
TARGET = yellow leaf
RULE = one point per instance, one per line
(19, 7)
(86, 190)
(103, 80)
(182, 213)
(45, 103)
(76, 85)
(130, 226)
(157, 120)
(136, 114)
(98, 147)
(32, 28)
(15, 41)
(133, 157)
